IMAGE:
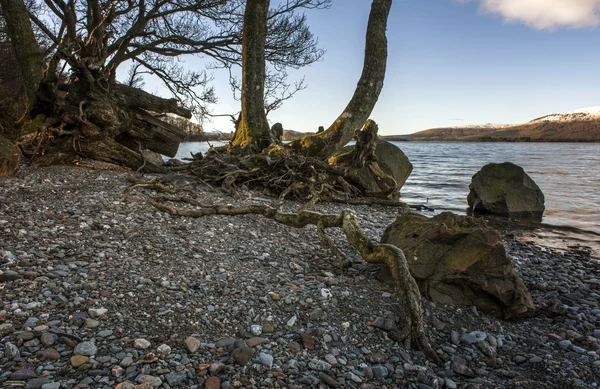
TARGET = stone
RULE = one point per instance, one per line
(459, 260)
(51, 385)
(23, 375)
(49, 354)
(125, 385)
(78, 360)
(317, 364)
(47, 339)
(96, 312)
(391, 161)
(266, 359)
(163, 349)
(212, 383)
(505, 189)
(473, 337)
(459, 366)
(153, 381)
(10, 159)
(86, 348)
(117, 371)
(242, 355)
(176, 380)
(11, 351)
(192, 344)
(126, 362)
(153, 157)
(255, 341)
(307, 341)
(216, 367)
(141, 343)
(329, 380)
(9, 275)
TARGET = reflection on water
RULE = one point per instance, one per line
(567, 173)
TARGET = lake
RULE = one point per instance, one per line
(567, 173)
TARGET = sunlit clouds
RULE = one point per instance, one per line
(544, 14)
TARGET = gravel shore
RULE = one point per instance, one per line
(98, 292)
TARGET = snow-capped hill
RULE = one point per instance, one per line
(585, 114)
(485, 126)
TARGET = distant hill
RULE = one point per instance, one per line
(577, 126)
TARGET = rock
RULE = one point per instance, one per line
(153, 381)
(256, 329)
(141, 343)
(125, 385)
(86, 348)
(458, 260)
(505, 189)
(459, 366)
(11, 351)
(266, 359)
(473, 337)
(51, 385)
(212, 383)
(10, 158)
(78, 360)
(47, 339)
(95, 312)
(317, 364)
(307, 341)
(91, 323)
(216, 367)
(242, 355)
(152, 157)
(23, 375)
(255, 341)
(50, 354)
(9, 275)
(163, 349)
(176, 379)
(392, 162)
(329, 380)
(192, 344)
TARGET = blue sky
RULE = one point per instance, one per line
(451, 62)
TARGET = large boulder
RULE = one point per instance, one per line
(10, 157)
(391, 161)
(459, 260)
(505, 189)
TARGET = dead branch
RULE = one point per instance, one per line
(412, 330)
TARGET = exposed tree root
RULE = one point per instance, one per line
(277, 173)
(412, 331)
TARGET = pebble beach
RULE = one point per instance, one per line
(102, 291)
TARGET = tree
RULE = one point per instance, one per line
(370, 84)
(253, 129)
(26, 49)
(88, 113)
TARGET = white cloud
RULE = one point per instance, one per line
(545, 14)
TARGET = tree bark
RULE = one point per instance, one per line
(370, 84)
(25, 45)
(253, 130)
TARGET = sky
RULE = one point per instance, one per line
(450, 63)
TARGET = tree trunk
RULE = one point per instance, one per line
(325, 144)
(26, 47)
(253, 130)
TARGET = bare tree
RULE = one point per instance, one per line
(253, 129)
(102, 119)
(365, 96)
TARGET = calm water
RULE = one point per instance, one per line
(567, 173)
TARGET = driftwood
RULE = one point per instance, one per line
(412, 329)
(111, 123)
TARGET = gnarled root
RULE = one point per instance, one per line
(413, 327)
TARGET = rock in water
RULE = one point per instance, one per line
(10, 157)
(505, 189)
(459, 260)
